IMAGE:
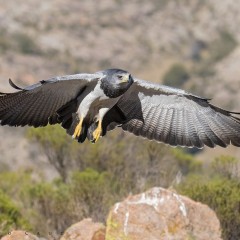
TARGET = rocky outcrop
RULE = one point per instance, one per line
(85, 230)
(157, 214)
(161, 214)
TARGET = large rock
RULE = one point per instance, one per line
(85, 230)
(157, 214)
(161, 214)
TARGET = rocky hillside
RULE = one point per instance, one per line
(40, 39)
(43, 38)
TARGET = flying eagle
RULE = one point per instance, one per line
(89, 105)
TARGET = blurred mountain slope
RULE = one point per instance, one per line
(40, 39)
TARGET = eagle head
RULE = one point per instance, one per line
(115, 82)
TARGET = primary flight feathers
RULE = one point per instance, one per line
(89, 105)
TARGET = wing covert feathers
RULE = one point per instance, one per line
(177, 118)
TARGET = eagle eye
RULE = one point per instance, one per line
(120, 77)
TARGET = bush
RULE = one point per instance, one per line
(94, 191)
(58, 147)
(14, 183)
(226, 166)
(10, 217)
(186, 162)
(222, 47)
(26, 44)
(4, 41)
(176, 76)
(52, 208)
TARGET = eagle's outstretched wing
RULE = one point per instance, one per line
(176, 117)
(37, 105)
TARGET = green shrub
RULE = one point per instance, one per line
(176, 76)
(52, 207)
(95, 191)
(14, 183)
(58, 147)
(226, 166)
(57, 205)
(5, 44)
(204, 70)
(26, 44)
(186, 162)
(10, 216)
(222, 46)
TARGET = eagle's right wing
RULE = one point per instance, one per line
(36, 105)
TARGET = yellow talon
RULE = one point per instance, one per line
(97, 132)
(78, 129)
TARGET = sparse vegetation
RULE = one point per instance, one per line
(226, 166)
(222, 46)
(10, 217)
(26, 44)
(57, 146)
(176, 76)
(4, 41)
(154, 163)
(204, 70)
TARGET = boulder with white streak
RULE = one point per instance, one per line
(161, 214)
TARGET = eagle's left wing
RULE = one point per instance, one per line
(176, 117)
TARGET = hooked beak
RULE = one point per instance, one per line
(125, 78)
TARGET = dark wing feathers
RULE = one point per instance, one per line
(12, 84)
(36, 105)
(176, 117)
